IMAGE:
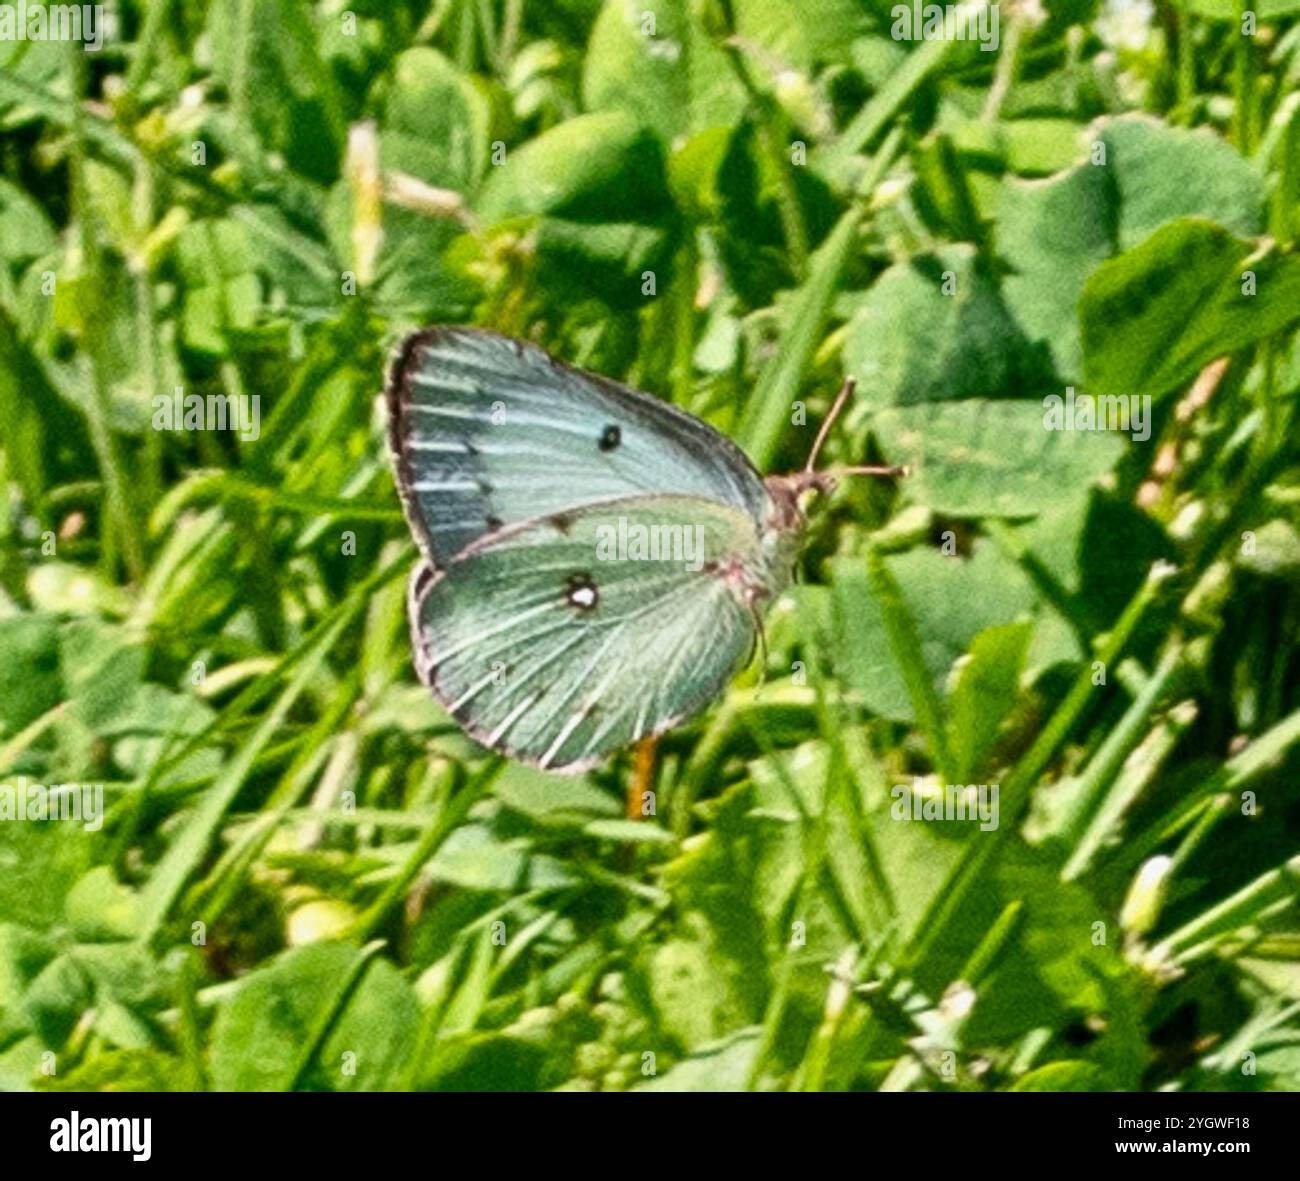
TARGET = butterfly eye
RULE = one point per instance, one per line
(610, 438)
(581, 592)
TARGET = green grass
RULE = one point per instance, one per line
(308, 877)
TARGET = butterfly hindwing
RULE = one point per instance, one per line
(487, 432)
(556, 642)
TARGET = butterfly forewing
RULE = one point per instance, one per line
(487, 431)
(560, 640)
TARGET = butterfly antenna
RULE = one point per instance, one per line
(875, 469)
(846, 391)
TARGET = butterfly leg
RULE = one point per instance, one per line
(641, 785)
(752, 595)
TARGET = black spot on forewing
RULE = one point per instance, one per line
(493, 524)
(580, 592)
(563, 522)
(610, 438)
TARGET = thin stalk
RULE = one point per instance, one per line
(120, 508)
(1186, 66)
(452, 810)
(774, 142)
(1139, 770)
(1004, 76)
(951, 897)
(1245, 76)
(905, 642)
(1104, 767)
(1246, 906)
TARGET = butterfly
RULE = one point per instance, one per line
(594, 561)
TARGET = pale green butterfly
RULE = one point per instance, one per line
(595, 560)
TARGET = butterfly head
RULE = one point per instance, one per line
(790, 494)
(790, 497)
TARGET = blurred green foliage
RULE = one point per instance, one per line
(307, 877)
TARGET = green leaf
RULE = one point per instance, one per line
(1054, 233)
(673, 79)
(713, 974)
(40, 862)
(1163, 173)
(1069, 1075)
(486, 1062)
(123, 1070)
(262, 1033)
(630, 831)
(25, 230)
(56, 997)
(905, 643)
(435, 122)
(609, 259)
(474, 860)
(1219, 11)
(979, 457)
(370, 1045)
(267, 57)
(800, 32)
(99, 907)
(25, 413)
(102, 669)
(24, 954)
(724, 1065)
(1048, 968)
(599, 185)
(604, 167)
(31, 682)
(1153, 317)
(953, 600)
(1138, 175)
(222, 295)
(936, 329)
(862, 657)
(552, 799)
(758, 200)
(986, 689)
(692, 1001)
(1026, 146)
